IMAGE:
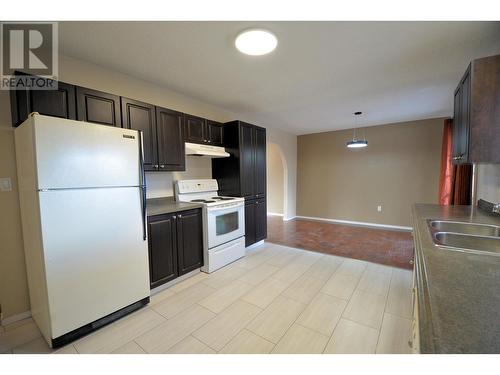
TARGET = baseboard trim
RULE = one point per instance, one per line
(253, 246)
(16, 318)
(170, 284)
(274, 214)
(357, 223)
(289, 218)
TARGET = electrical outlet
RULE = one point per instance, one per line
(379, 208)
(5, 184)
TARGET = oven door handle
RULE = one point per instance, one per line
(233, 206)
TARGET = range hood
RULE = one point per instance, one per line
(206, 150)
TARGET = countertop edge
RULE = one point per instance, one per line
(427, 345)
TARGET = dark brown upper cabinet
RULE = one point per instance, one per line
(170, 134)
(260, 184)
(195, 129)
(98, 107)
(476, 118)
(215, 133)
(200, 130)
(243, 174)
(142, 116)
(57, 103)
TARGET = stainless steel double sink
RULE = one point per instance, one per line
(466, 237)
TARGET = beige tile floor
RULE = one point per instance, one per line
(275, 300)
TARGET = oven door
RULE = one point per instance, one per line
(225, 223)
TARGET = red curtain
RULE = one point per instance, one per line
(454, 180)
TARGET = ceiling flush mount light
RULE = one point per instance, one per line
(256, 42)
(355, 142)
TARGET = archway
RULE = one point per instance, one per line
(277, 175)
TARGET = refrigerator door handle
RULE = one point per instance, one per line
(142, 179)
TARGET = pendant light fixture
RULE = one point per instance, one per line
(355, 142)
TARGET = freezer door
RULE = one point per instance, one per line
(96, 260)
(76, 154)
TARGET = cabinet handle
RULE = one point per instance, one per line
(174, 217)
(162, 166)
(179, 216)
(156, 166)
(209, 141)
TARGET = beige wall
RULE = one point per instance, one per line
(14, 298)
(399, 167)
(275, 180)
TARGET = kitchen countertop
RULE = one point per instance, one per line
(458, 292)
(167, 205)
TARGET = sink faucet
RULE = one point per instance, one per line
(489, 206)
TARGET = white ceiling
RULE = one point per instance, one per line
(318, 76)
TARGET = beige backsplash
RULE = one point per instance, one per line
(161, 184)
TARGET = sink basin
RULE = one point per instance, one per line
(465, 228)
(468, 243)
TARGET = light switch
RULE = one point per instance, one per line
(5, 184)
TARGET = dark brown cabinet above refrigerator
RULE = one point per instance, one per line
(57, 103)
(476, 114)
(98, 107)
(243, 174)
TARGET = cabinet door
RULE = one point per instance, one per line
(141, 116)
(170, 135)
(247, 160)
(260, 219)
(465, 118)
(162, 250)
(98, 107)
(57, 103)
(250, 233)
(457, 125)
(215, 135)
(260, 162)
(195, 129)
(189, 240)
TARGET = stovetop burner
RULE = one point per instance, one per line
(222, 198)
(202, 201)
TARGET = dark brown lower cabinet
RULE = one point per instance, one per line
(249, 222)
(175, 245)
(162, 249)
(189, 241)
(255, 221)
(260, 219)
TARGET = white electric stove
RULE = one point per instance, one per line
(223, 221)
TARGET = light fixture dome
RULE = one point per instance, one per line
(357, 143)
(256, 42)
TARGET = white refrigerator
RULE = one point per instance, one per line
(83, 210)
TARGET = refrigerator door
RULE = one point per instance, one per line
(76, 154)
(96, 260)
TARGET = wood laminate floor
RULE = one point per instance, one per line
(389, 247)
